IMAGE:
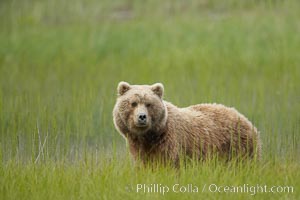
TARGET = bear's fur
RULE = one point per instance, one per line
(168, 132)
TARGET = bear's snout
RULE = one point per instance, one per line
(142, 119)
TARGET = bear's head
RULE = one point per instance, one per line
(139, 108)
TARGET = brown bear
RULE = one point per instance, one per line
(157, 130)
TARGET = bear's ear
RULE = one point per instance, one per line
(158, 89)
(123, 87)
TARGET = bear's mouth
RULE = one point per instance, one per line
(141, 125)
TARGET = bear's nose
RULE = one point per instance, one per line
(142, 118)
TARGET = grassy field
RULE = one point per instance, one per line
(61, 61)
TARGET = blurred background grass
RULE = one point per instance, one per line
(61, 61)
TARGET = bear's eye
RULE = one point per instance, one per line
(148, 105)
(134, 104)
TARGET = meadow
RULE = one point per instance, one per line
(61, 61)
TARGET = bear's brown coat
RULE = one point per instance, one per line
(198, 131)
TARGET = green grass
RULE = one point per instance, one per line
(61, 61)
